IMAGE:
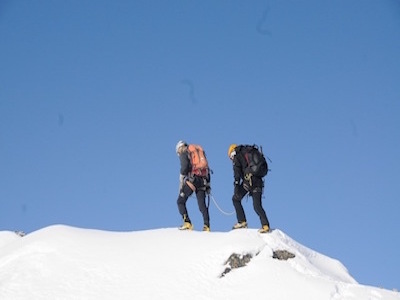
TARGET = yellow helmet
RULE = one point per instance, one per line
(231, 149)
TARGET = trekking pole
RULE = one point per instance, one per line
(221, 210)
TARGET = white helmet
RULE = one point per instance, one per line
(180, 144)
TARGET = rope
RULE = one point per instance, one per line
(221, 210)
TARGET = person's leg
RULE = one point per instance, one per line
(238, 195)
(183, 197)
(201, 201)
(257, 204)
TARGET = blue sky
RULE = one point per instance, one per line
(94, 96)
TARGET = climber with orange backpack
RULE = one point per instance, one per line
(194, 178)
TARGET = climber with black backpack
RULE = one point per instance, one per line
(249, 168)
(194, 178)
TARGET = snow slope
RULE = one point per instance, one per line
(62, 262)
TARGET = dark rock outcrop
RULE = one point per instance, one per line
(236, 261)
(282, 255)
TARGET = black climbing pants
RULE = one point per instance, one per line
(184, 195)
(256, 194)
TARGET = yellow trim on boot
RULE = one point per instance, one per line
(264, 229)
(239, 225)
(206, 228)
(186, 226)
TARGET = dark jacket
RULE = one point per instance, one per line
(186, 166)
(239, 169)
(200, 183)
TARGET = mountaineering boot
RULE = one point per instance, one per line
(206, 228)
(264, 229)
(239, 225)
(186, 226)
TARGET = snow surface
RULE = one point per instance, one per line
(62, 262)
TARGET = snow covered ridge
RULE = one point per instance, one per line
(62, 262)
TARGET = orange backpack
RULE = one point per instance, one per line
(198, 160)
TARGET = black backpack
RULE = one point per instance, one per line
(256, 162)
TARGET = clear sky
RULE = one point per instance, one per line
(94, 95)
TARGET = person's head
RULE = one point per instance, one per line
(180, 146)
(232, 151)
